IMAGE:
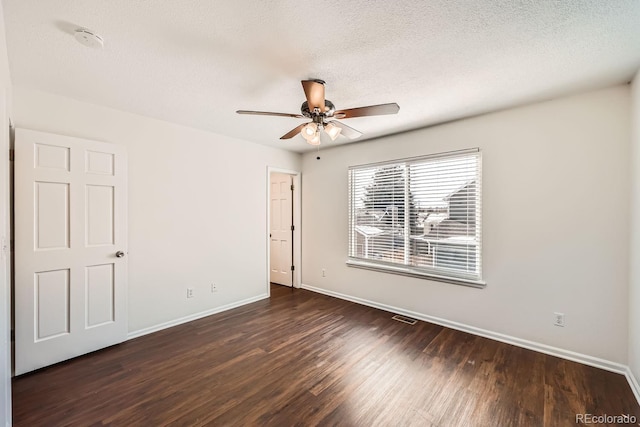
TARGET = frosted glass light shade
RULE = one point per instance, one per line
(332, 130)
(309, 131)
(315, 140)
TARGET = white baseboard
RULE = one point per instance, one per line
(196, 316)
(633, 383)
(531, 345)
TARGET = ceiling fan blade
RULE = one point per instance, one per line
(347, 131)
(314, 91)
(269, 113)
(293, 132)
(371, 110)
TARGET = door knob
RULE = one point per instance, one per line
(119, 254)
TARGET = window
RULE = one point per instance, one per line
(418, 216)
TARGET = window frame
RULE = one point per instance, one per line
(422, 272)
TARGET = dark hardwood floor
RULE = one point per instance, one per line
(302, 358)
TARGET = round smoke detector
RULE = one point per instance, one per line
(89, 39)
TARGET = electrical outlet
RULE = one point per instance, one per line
(558, 319)
(214, 288)
(189, 292)
(324, 273)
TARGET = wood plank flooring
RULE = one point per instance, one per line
(301, 358)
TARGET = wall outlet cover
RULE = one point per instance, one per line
(558, 319)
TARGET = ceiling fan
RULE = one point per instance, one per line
(319, 109)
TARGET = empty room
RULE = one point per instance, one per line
(366, 213)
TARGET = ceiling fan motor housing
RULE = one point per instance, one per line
(329, 110)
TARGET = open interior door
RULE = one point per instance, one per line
(280, 231)
(70, 247)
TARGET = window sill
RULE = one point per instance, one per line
(412, 272)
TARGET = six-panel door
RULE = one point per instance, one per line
(281, 217)
(70, 221)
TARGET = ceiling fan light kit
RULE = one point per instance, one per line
(319, 109)
(311, 133)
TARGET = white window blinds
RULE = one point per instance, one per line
(419, 215)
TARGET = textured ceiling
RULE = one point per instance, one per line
(196, 62)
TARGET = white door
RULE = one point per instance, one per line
(281, 214)
(70, 247)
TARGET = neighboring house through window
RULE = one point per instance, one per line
(419, 216)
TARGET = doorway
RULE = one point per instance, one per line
(283, 219)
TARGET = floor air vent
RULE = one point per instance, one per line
(404, 319)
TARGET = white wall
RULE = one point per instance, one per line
(5, 267)
(197, 205)
(555, 230)
(634, 282)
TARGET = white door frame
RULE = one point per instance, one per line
(297, 207)
(5, 261)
